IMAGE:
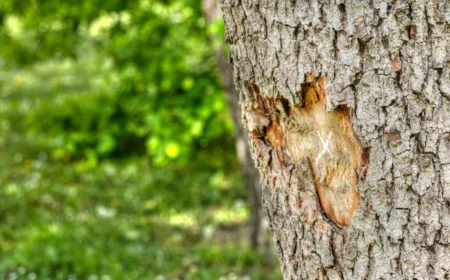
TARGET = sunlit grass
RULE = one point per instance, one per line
(94, 225)
(237, 214)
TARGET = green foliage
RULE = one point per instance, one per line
(117, 149)
(155, 91)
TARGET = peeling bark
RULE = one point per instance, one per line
(387, 62)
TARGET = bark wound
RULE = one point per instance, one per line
(395, 61)
(394, 136)
(326, 138)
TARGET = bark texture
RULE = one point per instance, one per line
(383, 66)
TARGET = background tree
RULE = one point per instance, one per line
(347, 104)
(250, 173)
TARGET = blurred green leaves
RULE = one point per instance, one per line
(150, 87)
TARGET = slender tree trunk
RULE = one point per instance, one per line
(250, 173)
(347, 104)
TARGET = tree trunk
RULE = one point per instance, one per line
(347, 104)
(257, 236)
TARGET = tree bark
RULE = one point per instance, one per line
(257, 236)
(347, 104)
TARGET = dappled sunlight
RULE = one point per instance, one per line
(184, 220)
(238, 214)
(102, 25)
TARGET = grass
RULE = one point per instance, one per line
(114, 221)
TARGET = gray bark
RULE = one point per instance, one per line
(381, 70)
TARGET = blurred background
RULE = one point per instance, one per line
(118, 145)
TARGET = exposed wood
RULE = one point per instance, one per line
(326, 139)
